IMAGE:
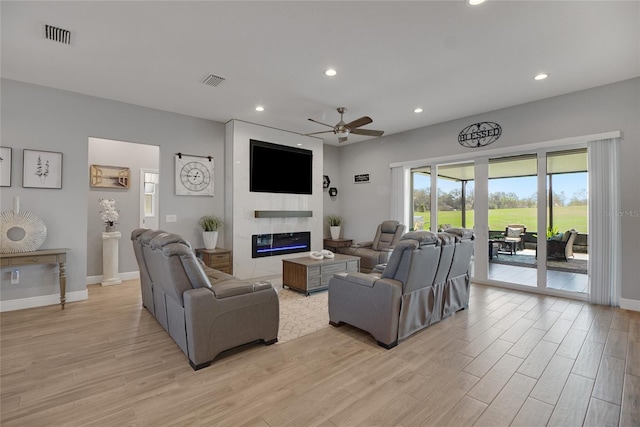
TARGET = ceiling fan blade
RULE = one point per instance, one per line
(342, 139)
(320, 123)
(359, 122)
(316, 133)
(367, 132)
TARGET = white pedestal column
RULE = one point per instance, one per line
(110, 258)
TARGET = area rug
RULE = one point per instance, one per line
(300, 315)
(572, 265)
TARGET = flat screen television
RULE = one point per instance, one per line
(276, 168)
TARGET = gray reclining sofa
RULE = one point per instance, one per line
(425, 280)
(204, 310)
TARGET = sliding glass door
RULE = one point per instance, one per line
(567, 220)
(455, 183)
(513, 219)
(531, 200)
(451, 204)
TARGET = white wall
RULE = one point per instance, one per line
(606, 108)
(124, 154)
(42, 118)
(244, 203)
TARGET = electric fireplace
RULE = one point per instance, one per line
(263, 245)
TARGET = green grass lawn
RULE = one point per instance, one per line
(564, 217)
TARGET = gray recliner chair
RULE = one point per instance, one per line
(205, 311)
(146, 286)
(425, 280)
(378, 250)
(455, 294)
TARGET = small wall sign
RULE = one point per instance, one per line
(479, 134)
(361, 178)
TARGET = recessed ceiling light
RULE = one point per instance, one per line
(298, 144)
(330, 72)
(541, 76)
(259, 108)
(418, 110)
(475, 2)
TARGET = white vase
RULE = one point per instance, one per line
(335, 232)
(210, 239)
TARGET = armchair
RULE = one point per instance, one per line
(563, 246)
(376, 251)
(425, 280)
(513, 235)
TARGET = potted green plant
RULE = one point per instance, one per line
(210, 225)
(334, 226)
(552, 231)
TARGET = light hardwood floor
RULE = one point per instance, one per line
(512, 358)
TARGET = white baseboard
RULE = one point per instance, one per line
(41, 301)
(131, 275)
(630, 304)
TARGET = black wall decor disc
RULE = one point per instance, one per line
(479, 134)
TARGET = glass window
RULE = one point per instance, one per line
(456, 195)
(421, 189)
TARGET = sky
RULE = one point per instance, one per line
(524, 186)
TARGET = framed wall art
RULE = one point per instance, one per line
(194, 175)
(109, 176)
(41, 169)
(5, 166)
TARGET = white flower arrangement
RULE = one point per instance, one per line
(109, 214)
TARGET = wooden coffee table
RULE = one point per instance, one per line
(311, 275)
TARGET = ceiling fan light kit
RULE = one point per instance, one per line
(343, 129)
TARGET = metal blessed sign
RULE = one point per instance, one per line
(479, 134)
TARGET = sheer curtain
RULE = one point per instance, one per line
(399, 190)
(604, 222)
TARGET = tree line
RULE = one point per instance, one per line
(452, 200)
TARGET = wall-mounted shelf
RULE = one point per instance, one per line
(283, 214)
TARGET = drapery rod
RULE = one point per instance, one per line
(193, 155)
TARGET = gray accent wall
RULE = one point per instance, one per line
(332, 206)
(41, 118)
(602, 109)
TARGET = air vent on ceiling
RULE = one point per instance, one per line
(57, 34)
(212, 80)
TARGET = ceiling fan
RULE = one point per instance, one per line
(343, 129)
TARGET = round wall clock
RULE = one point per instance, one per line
(194, 175)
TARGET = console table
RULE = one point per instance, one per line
(46, 256)
(310, 275)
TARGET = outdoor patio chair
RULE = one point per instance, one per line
(513, 236)
(561, 245)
